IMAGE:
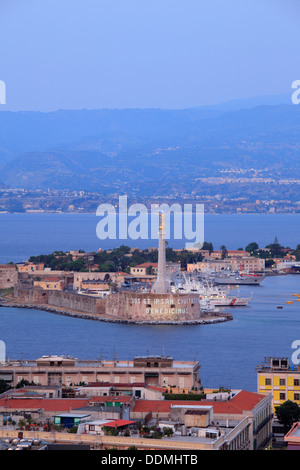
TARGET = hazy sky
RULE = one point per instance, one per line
(75, 54)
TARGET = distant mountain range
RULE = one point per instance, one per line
(148, 151)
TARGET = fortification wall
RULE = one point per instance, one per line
(24, 294)
(153, 307)
(123, 306)
(66, 300)
(8, 276)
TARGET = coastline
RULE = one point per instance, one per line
(86, 316)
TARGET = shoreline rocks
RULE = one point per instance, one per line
(85, 316)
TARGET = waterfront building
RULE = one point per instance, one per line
(230, 254)
(151, 269)
(276, 376)
(28, 267)
(50, 283)
(115, 277)
(158, 371)
(246, 264)
(144, 269)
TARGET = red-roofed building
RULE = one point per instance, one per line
(41, 408)
(253, 406)
(119, 423)
(98, 426)
(144, 269)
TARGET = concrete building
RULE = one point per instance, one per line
(241, 264)
(151, 269)
(117, 278)
(28, 267)
(50, 283)
(241, 423)
(276, 376)
(230, 253)
(144, 269)
(157, 371)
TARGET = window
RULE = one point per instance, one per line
(268, 382)
(281, 382)
(281, 396)
(297, 396)
(296, 382)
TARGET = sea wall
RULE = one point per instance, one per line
(77, 302)
(153, 307)
(25, 294)
(126, 307)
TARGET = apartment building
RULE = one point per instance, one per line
(276, 376)
(157, 371)
(241, 264)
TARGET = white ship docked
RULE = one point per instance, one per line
(232, 278)
(208, 292)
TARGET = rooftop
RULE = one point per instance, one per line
(242, 401)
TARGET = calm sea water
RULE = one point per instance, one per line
(23, 235)
(228, 352)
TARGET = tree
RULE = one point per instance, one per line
(224, 252)
(288, 413)
(269, 263)
(252, 247)
(208, 246)
(24, 383)
(4, 386)
(275, 248)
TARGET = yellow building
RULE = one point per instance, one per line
(50, 283)
(276, 376)
(29, 267)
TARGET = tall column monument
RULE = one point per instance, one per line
(162, 284)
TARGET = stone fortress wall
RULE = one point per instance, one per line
(153, 307)
(127, 306)
(8, 276)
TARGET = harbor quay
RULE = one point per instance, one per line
(126, 307)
